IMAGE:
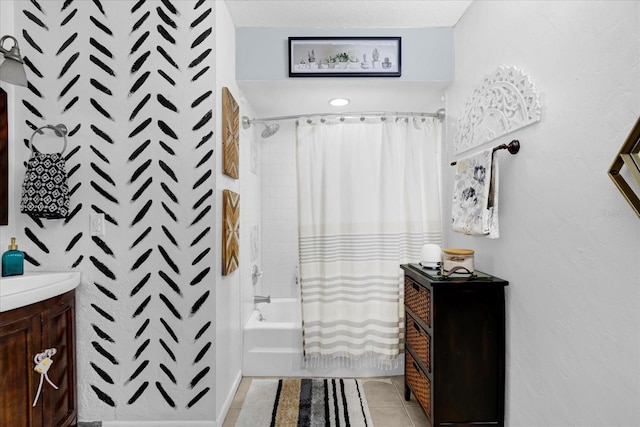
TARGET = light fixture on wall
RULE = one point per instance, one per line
(12, 69)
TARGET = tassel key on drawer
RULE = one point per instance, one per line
(43, 362)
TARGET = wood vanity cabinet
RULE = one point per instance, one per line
(455, 347)
(25, 332)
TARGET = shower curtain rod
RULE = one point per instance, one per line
(440, 114)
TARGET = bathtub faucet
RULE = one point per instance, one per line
(258, 299)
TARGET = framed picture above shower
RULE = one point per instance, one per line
(345, 56)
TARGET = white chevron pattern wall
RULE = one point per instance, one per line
(133, 82)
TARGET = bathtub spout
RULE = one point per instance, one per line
(258, 299)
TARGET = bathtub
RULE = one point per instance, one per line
(273, 346)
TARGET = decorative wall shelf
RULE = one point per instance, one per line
(505, 101)
(230, 135)
(230, 231)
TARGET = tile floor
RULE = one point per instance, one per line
(385, 396)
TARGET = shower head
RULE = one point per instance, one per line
(269, 129)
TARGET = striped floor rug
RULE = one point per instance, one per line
(306, 402)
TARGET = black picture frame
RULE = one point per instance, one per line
(345, 56)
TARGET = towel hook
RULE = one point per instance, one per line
(60, 130)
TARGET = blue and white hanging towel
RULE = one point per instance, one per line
(475, 195)
(45, 192)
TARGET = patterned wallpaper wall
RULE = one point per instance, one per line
(133, 82)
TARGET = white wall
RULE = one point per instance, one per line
(234, 292)
(569, 242)
(145, 309)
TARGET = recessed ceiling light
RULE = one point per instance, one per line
(339, 102)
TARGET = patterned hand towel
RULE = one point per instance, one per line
(45, 193)
(475, 195)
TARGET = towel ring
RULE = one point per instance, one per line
(60, 130)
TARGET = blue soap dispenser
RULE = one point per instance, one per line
(12, 260)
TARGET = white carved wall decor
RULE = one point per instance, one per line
(505, 101)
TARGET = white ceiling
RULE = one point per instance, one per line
(347, 13)
(296, 97)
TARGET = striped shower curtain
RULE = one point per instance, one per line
(368, 199)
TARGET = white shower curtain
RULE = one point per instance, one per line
(368, 197)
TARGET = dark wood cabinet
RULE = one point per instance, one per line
(25, 332)
(455, 351)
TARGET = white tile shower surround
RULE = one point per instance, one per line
(279, 214)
